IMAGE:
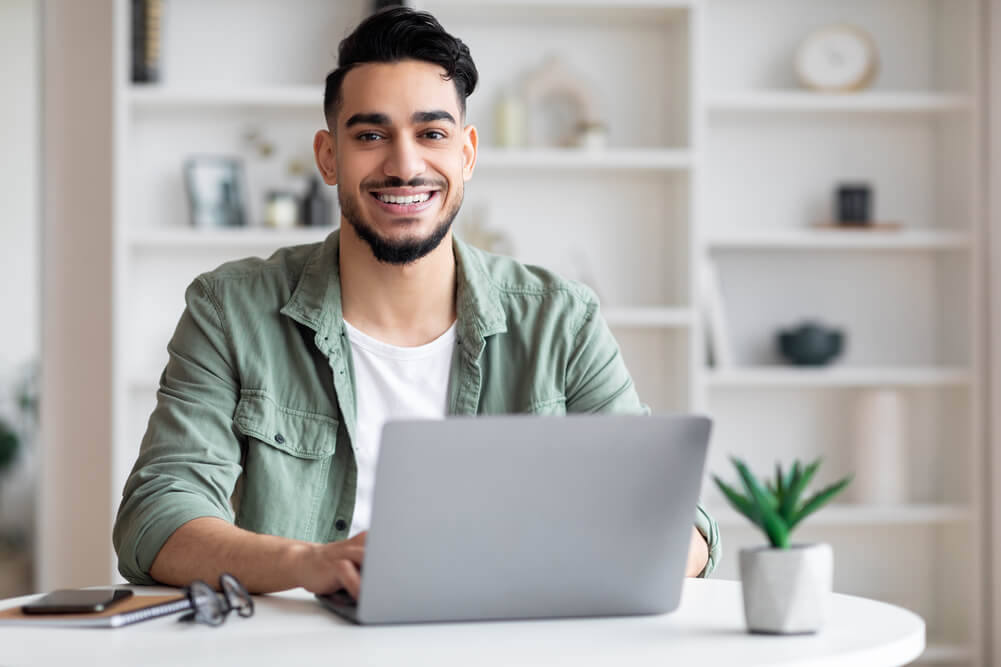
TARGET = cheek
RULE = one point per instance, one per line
(354, 167)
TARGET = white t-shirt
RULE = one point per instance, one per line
(393, 383)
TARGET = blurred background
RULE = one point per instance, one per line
(783, 205)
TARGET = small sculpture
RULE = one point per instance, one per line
(562, 108)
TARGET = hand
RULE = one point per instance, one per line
(698, 554)
(326, 568)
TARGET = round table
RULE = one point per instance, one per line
(292, 628)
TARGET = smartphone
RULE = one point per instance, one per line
(77, 601)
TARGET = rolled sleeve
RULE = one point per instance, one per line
(189, 460)
(597, 377)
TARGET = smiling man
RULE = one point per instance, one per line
(259, 458)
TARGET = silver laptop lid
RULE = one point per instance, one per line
(527, 517)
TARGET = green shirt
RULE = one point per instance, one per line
(255, 415)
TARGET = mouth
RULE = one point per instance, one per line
(399, 201)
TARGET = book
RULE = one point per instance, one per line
(147, 22)
(133, 610)
(714, 316)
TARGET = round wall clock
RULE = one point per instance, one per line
(837, 58)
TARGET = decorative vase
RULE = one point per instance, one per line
(880, 444)
(787, 591)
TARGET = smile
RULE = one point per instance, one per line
(405, 204)
(413, 199)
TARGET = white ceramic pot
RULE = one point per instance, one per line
(787, 591)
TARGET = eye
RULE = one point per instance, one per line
(368, 137)
(436, 135)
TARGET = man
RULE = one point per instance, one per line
(259, 457)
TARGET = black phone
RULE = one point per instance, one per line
(77, 601)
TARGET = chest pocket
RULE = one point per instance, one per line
(287, 466)
(551, 406)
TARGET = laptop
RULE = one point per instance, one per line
(518, 517)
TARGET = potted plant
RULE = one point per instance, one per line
(786, 586)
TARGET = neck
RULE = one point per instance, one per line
(405, 305)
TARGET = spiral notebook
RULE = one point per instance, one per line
(133, 610)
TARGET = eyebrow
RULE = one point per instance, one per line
(432, 116)
(383, 120)
(368, 119)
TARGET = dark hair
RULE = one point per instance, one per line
(401, 33)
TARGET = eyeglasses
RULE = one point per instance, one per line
(212, 608)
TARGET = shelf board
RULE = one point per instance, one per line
(578, 158)
(865, 515)
(236, 237)
(645, 11)
(611, 5)
(806, 238)
(649, 317)
(152, 96)
(838, 376)
(794, 101)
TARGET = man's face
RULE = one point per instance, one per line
(400, 157)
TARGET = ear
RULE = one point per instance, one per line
(324, 152)
(470, 142)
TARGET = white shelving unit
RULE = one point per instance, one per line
(713, 151)
(772, 157)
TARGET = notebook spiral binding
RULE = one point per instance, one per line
(148, 613)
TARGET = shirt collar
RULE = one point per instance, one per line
(316, 300)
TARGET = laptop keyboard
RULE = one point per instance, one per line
(341, 604)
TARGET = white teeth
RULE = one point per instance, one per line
(412, 199)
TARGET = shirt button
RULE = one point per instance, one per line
(279, 438)
(340, 524)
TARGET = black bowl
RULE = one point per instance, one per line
(811, 344)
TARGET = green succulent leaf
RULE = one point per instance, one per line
(773, 524)
(780, 487)
(801, 479)
(739, 502)
(818, 500)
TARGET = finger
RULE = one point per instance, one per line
(350, 578)
(355, 554)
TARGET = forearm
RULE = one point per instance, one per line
(206, 547)
(698, 554)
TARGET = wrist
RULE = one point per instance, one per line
(300, 562)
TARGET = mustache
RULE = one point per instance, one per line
(396, 182)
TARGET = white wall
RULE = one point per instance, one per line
(19, 206)
(75, 499)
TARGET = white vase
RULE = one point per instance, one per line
(880, 448)
(787, 591)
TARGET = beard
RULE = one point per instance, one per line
(406, 250)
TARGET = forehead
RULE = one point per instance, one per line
(397, 90)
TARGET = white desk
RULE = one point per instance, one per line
(292, 629)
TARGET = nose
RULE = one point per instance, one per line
(404, 160)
